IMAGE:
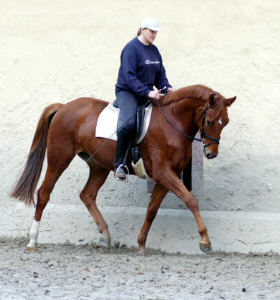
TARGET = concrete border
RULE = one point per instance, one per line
(174, 230)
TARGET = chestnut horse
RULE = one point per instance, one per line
(69, 129)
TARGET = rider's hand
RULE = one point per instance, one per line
(170, 90)
(154, 94)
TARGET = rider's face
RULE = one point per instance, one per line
(149, 35)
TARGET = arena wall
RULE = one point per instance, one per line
(59, 51)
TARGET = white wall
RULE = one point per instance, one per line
(58, 51)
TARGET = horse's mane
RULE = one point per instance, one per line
(194, 91)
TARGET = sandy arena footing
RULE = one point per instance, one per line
(173, 231)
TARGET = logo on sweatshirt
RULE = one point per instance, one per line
(149, 62)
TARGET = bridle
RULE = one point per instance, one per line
(203, 135)
(202, 132)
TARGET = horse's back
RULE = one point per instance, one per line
(84, 105)
(74, 120)
(72, 112)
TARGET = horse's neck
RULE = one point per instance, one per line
(187, 104)
(184, 112)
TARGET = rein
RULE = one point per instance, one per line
(202, 132)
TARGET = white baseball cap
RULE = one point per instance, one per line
(150, 23)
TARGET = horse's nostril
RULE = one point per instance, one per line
(208, 155)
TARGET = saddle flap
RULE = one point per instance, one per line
(108, 119)
(140, 120)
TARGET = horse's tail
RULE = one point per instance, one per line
(26, 185)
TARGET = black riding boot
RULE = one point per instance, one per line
(123, 144)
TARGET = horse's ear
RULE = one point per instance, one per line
(229, 101)
(212, 99)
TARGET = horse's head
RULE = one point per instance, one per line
(211, 118)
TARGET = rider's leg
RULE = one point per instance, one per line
(127, 103)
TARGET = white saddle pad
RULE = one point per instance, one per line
(108, 119)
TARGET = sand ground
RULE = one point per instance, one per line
(84, 272)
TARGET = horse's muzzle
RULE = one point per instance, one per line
(209, 154)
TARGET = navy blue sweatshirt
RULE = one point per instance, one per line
(141, 69)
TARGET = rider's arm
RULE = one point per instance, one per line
(161, 80)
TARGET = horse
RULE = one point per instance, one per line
(65, 130)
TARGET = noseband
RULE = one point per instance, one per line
(202, 131)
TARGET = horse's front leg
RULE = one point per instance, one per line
(171, 181)
(158, 194)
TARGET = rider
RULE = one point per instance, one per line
(141, 69)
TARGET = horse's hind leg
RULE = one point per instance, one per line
(97, 177)
(55, 169)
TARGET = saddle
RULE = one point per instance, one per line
(107, 128)
(139, 120)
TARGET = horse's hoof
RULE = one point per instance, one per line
(105, 243)
(141, 252)
(205, 248)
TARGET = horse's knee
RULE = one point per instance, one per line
(192, 203)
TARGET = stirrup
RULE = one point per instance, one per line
(127, 172)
